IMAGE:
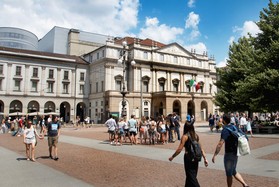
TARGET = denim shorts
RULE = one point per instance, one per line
(230, 162)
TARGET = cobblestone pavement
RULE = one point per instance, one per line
(86, 158)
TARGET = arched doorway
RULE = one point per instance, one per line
(1, 106)
(81, 108)
(176, 107)
(1, 110)
(65, 111)
(204, 111)
(191, 108)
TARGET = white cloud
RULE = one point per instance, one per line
(191, 3)
(231, 40)
(248, 27)
(114, 17)
(222, 63)
(192, 23)
(200, 47)
(162, 33)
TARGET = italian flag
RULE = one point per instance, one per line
(192, 82)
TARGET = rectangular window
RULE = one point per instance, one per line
(1, 69)
(162, 57)
(162, 87)
(102, 103)
(34, 87)
(97, 87)
(118, 85)
(145, 55)
(175, 87)
(175, 60)
(50, 87)
(66, 75)
(50, 74)
(96, 103)
(18, 70)
(81, 76)
(96, 112)
(200, 63)
(145, 87)
(103, 53)
(17, 85)
(188, 61)
(81, 89)
(35, 72)
(65, 88)
(102, 86)
(1, 84)
(98, 56)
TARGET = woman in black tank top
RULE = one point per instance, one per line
(190, 166)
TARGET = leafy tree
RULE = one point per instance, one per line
(230, 78)
(250, 81)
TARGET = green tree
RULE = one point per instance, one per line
(250, 81)
(230, 78)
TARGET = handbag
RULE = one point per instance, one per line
(243, 147)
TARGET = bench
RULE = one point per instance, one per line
(265, 129)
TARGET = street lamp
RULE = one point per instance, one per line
(122, 61)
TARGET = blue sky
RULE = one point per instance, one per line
(195, 24)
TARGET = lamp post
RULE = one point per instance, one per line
(123, 60)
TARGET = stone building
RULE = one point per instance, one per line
(60, 78)
(160, 82)
(33, 82)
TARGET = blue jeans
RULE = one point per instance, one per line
(177, 131)
(230, 162)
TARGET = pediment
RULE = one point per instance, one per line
(175, 49)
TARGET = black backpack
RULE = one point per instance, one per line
(195, 152)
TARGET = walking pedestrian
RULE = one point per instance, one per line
(190, 165)
(53, 129)
(29, 139)
(111, 124)
(230, 156)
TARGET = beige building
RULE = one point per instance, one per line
(34, 82)
(160, 82)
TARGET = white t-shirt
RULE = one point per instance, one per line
(243, 121)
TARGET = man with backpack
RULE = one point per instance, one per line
(230, 156)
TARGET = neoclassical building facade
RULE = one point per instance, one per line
(160, 82)
(38, 82)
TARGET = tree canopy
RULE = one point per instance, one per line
(250, 81)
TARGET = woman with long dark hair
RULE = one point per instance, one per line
(190, 165)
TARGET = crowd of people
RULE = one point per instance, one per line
(240, 120)
(147, 130)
